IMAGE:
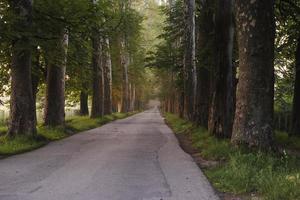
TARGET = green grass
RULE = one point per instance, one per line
(19, 144)
(74, 125)
(83, 123)
(52, 133)
(270, 176)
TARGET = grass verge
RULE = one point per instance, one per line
(241, 172)
(74, 125)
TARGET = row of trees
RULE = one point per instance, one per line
(69, 49)
(218, 62)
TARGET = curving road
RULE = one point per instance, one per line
(137, 158)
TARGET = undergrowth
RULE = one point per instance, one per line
(284, 140)
(271, 176)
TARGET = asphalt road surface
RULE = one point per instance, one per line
(137, 158)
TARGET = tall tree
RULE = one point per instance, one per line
(107, 78)
(37, 73)
(84, 106)
(22, 113)
(190, 82)
(253, 125)
(56, 71)
(204, 44)
(222, 105)
(295, 130)
(98, 80)
(125, 61)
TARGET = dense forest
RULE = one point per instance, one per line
(232, 67)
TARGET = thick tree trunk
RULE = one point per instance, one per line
(295, 130)
(22, 113)
(205, 29)
(253, 125)
(190, 81)
(107, 79)
(222, 107)
(55, 91)
(125, 61)
(84, 106)
(98, 79)
(22, 116)
(203, 97)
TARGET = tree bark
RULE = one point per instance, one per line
(295, 130)
(84, 106)
(181, 104)
(125, 61)
(22, 109)
(253, 125)
(55, 91)
(190, 81)
(36, 77)
(205, 30)
(98, 79)
(222, 107)
(107, 79)
(133, 101)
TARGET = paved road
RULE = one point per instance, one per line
(137, 158)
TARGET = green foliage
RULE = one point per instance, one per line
(287, 33)
(271, 176)
(79, 19)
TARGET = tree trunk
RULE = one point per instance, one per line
(84, 106)
(129, 97)
(35, 77)
(107, 79)
(98, 80)
(190, 81)
(181, 104)
(204, 49)
(295, 130)
(253, 125)
(133, 98)
(55, 91)
(125, 83)
(22, 113)
(222, 107)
